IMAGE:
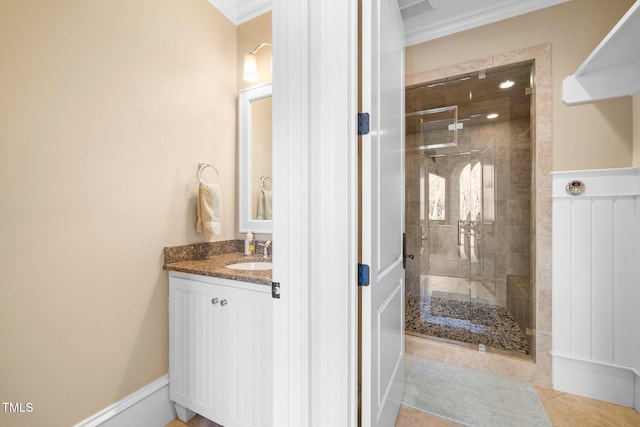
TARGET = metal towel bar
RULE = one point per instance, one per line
(202, 166)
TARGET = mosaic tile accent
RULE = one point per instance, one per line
(464, 321)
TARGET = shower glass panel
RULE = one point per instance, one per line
(468, 180)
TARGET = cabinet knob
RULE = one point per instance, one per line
(214, 301)
(223, 302)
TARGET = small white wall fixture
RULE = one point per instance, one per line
(596, 285)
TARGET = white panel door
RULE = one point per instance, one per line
(382, 213)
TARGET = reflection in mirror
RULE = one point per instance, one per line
(256, 187)
(261, 159)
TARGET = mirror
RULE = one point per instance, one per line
(256, 189)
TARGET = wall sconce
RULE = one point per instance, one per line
(250, 73)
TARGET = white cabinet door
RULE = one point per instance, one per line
(195, 350)
(247, 358)
(220, 350)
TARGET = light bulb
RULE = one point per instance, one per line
(506, 84)
(250, 73)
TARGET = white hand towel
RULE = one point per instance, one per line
(268, 209)
(264, 205)
(209, 209)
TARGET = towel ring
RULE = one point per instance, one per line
(263, 178)
(203, 166)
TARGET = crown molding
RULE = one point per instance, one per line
(240, 11)
(447, 19)
(444, 20)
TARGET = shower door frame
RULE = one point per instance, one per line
(536, 370)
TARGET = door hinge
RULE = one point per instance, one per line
(363, 123)
(363, 275)
(275, 290)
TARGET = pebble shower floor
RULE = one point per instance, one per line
(464, 321)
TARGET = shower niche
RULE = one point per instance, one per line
(469, 199)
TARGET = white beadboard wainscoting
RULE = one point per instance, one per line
(596, 285)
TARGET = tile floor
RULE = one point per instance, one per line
(564, 410)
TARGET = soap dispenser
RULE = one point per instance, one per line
(248, 244)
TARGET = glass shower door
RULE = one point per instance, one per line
(457, 221)
(448, 248)
(477, 226)
(460, 239)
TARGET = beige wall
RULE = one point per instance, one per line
(106, 110)
(589, 136)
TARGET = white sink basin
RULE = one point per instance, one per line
(250, 266)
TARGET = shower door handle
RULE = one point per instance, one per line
(404, 251)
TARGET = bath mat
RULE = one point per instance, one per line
(471, 398)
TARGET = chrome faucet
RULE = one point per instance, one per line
(265, 250)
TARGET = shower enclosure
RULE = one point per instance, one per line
(468, 210)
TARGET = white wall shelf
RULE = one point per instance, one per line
(613, 68)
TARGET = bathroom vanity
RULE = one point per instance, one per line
(220, 340)
(220, 300)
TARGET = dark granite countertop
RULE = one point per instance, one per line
(209, 259)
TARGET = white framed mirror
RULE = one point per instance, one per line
(254, 154)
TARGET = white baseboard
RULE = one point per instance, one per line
(147, 407)
(601, 381)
